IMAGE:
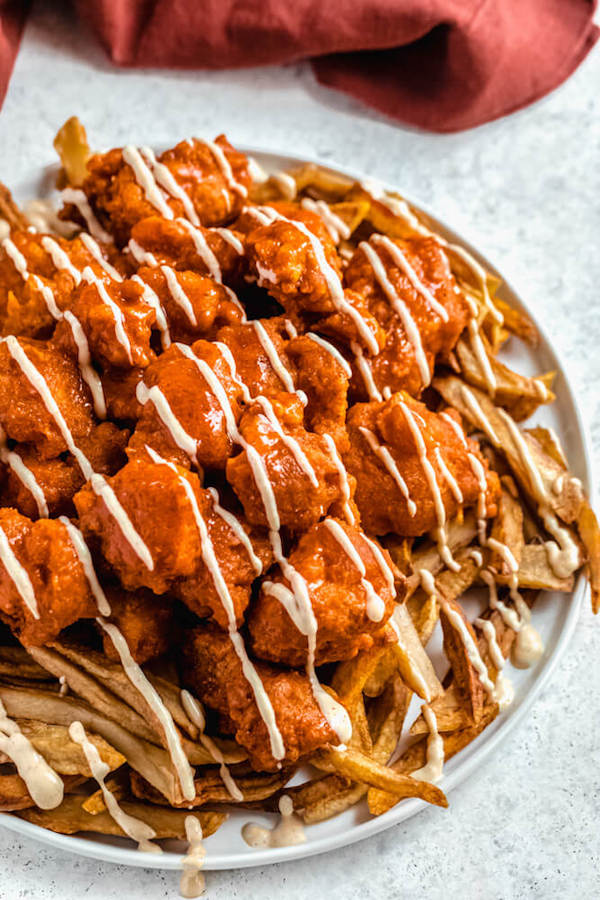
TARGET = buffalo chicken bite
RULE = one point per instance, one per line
(298, 464)
(144, 620)
(422, 313)
(215, 252)
(163, 543)
(214, 178)
(352, 586)
(291, 254)
(53, 580)
(182, 417)
(194, 305)
(212, 669)
(402, 455)
(24, 415)
(58, 480)
(38, 273)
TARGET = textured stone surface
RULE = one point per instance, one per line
(527, 187)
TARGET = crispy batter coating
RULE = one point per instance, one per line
(301, 498)
(155, 500)
(194, 305)
(119, 387)
(211, 668)
(238, 568)
(249, 343)
(382, 503)
(116, 321)
(175, 243)
(179, 381)
(396, 365)
(119, 201)
(338, 596)
(144, 620)
(60, 479)
(44, 549)
(24, 307)
(282, 258)
(325, 383)
(23, 414)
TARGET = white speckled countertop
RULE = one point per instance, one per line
(528, 188)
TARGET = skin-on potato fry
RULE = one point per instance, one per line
(15, 796)
(72, 146)
(64, 755)
(465, 675)
(359, 767)
(254, 786)
(414, 664)
(9, 211)
(70, 818)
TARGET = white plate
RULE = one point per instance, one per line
(554, 616)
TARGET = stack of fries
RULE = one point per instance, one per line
(45, 689)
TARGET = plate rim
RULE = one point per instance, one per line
(112, 853)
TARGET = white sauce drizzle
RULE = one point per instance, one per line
(364, 367)
(141, 256)
(402, 262)
(478, 414)
(447, 475)
(180, 437)
(135, 674)
(433, 769)
(192, 879)
(237, 528)
(270, 349)
(334, 284)
(19, 575)
(145, 179)
(286, 184)
(203, 250)
(194, 711)
(225, 167)
(120, 332)
(333, 351)
(85, 558)
(24, 474)
(44, 785)
(400, 308)
(343, 475)
(336, 226)
(290, 442)
(78, 199)
(375, 605)
(288, 832)
(440, 510)
(60, 259)
(504, 690)
(92, 247)
(134, 828)
(384, 454)
(165, 178)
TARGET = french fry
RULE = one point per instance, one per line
(358, 767)
(95, 803)
(16, 661)
(465, 675)
(506, 530)
(589, 533)
(535, 571)
(70, 818)
(72, 146)
(517, 322)
(152, 762)
(520, 394)
(209, 786)
(414, 664)
(64, 755)
(414, 757)
(15, 796)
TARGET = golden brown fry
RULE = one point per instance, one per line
(507, 530)
(414, 757)
(70, 817)
(15, 796)
(64, 755)
(467, 680)
(518, 322)
(95, 803)
(414, 664)
(209, 786)
(152, 762)
(16, 661)
(359, 767)
(72, 146)
(450, 585)
(535, 571)
(520, 394)
(589, 532)
(351, 676)
(460, 533)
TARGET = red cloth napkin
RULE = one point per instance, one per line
(443, 65)
(12, 19)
